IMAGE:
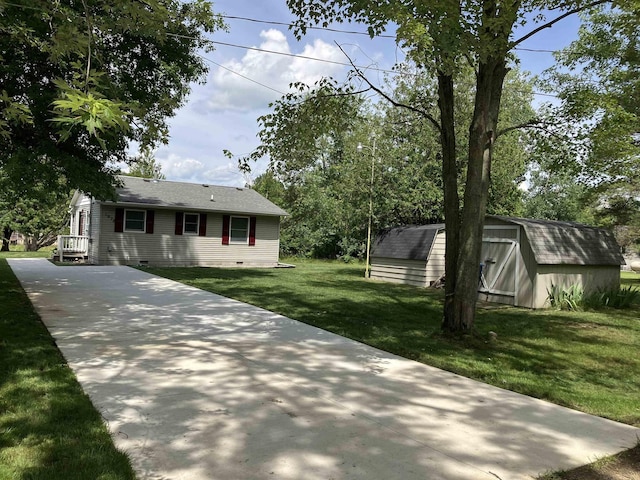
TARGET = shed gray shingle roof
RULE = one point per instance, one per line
(568, 243)
(406, 243)
(552, 242)
(193, 196)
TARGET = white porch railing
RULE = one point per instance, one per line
(72, 244)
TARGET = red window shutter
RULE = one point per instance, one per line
(179, 223)
(252, 231)
(226, 219)
(150, 220)
(119, 223)
(203, 225)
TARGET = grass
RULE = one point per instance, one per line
(48, 427)
(583, 360)
(623, 466)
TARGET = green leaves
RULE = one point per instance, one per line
(83, 79)
(99, 116)
(12, 112)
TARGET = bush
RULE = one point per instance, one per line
(565, 298)
(573, 298)
(614, 298)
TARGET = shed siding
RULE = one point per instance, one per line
(165, 248)
(527, 274)
(435, 262)
(395, 270)
(589, 277)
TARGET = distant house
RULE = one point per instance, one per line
(163, 223)
(521, 258)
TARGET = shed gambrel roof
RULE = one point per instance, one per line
(193, 196)
(406, 243)
(552, 242)
(568, 243)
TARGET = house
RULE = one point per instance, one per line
(164, 223)
(521, 258)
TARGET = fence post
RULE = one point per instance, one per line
(60, 249)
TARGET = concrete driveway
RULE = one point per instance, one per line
(197, 386)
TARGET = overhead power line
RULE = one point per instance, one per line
(309, 27)
(241, 75)
(304, 57)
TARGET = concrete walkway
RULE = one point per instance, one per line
(197, 386)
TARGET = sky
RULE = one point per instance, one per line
(222, 114)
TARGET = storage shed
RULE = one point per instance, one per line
(521, 258)
(413, 255)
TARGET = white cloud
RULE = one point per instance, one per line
(182, 169)
(232, 92)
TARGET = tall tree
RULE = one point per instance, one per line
(598, 80)
(145, 165)
(37, 211)
(444, 36)
(329, 190)
(81, 79)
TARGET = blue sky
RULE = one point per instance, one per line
(222, 113)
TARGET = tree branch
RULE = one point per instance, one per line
(556, 20)
(536, 124)
(395, 103)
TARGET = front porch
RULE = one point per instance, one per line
(72, 247)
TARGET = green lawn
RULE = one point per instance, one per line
(584, 360)
(49, 429)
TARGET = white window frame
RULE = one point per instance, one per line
(144, 221)
(184, 223)
(239, 242)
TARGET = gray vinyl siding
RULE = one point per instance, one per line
(590, 278)
(527, 274)
(435, 262)
(165, 248)
(396, 270)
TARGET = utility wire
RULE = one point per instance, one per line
(395, 72)
(288, 25)
(326, 29)
(304, 57)
(241, 75)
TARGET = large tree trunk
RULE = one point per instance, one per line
(482, 135)
(450, 184)
(31, 243)
(6, 236)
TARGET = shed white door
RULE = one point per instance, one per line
(499, 270)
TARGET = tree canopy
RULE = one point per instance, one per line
(319, 176)
(445, 38)
(79, 80)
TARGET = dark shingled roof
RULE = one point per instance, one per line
(407, 243)
(193, 196)
(568, 243)
(552, 242)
